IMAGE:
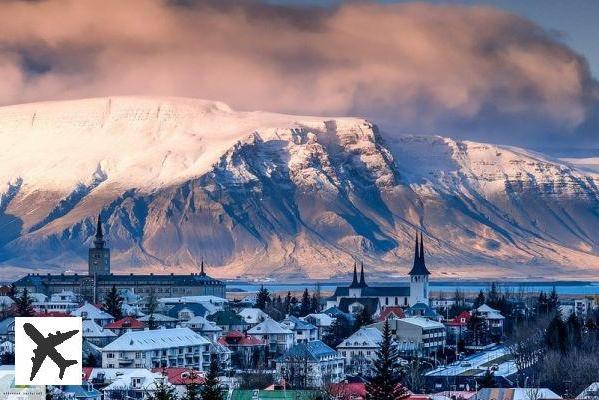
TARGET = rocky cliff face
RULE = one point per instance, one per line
(259, 194)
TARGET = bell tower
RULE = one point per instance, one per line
(99, 256)
(419, 275)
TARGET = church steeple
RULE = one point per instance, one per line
(99, 256)
(202, 268)
(419, 267)
(99, 239)
(354, 282)
(362, 280)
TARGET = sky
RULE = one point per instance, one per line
(519, 72)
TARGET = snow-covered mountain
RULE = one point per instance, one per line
(258, 194)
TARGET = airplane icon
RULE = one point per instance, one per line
(46, 347)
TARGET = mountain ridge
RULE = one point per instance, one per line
(258, 194)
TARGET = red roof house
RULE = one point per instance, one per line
(392, 312)
(181, 376)
(125, 324)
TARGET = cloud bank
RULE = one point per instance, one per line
(418, 68)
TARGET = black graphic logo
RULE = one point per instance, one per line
(46, 347)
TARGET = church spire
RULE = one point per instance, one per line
(421, 249)
(99, 240)
(419, 267)
(202, 268)
(362, 280)
(354, 282)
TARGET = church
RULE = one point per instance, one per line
(94, 285)
(359, 295)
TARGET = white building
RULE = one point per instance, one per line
(89, 311)
(418, 334)
(278, 338)
(359, 350)
(492, 317)
(7, 347)
(303, 331)
(322, 322)
(311, 364)
(253, 316)
(95, 334)
(204, 327)
(584, 307)
(178, 347)
(133, 384)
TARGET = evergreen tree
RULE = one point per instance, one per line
(163, 391)
(480, 299)
(90, 361)
(556, 335)
(314, 304)
(340, 329)
(152, 305)
(493, 296)
(262, 298)
(114, 303)
(305, 304)
(477, 330)
(574, 329)
(24, 304)
(287, 304)
(542, 304)
(192, 388)
(553, 300)
(385, 384)
(212, 389)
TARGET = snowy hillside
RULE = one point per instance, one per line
(257, 193)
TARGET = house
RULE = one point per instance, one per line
(180, 377)
(89, 311)
(160, 320)
(321, 321)
(591, 392)
(204, 327)
(7, 329)
(211, 303)
(227, 320)
(247, 351)
(423, 310)
(253, 316)
(7, 347)
(6, 303)
(310, 364)
(391, 312)
(124, 325)
(278, 338)
(492, 317)
(133, 384)
(584, 307)
(95, 334)
(442, 302)
(457, 327)
(303, 331)
(81, 392)
(359, 350)
(178, 347)
(186, 311)
(418, 335)
(516, 394)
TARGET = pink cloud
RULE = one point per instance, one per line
(424, 65)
